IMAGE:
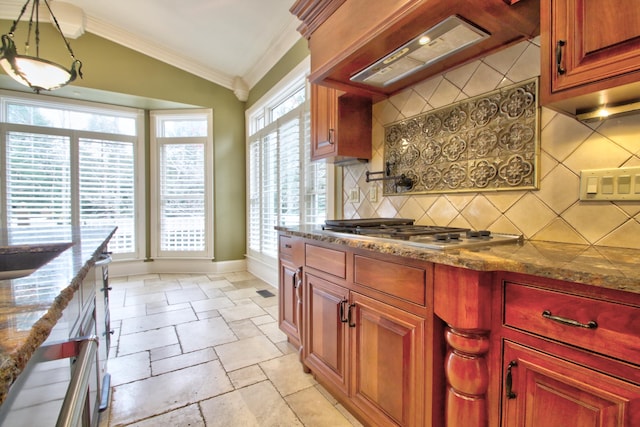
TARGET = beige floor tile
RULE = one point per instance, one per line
(212, 304)
(185, 295)
(159, 320)
(245, 329)
(163, 307)
(134, 343)
(204, 333)
(286, 374)
(145, 298)
(314, 410)
(183, 361)
(273, 332)
(164, 352)
(208, 314)
(258, 405)
(129, 368)
(188, 416)
(136, 401)
(245, 310)
(121, 312)
(237, 294)
(247, 376)
(246, 352)
(261, 320)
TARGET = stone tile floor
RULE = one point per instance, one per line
(205, 350)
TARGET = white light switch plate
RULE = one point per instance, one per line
(619, 184)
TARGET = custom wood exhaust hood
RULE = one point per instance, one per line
(346, 38)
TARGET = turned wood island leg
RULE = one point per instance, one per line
(467, 378)
(462, 299)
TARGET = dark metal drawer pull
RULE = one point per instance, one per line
(559, 45)
(509, 381)
(592, 324)
(343, 316)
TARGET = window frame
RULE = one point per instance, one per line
(154, 169)
(137, 140)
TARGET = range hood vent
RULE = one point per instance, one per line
(444, 39)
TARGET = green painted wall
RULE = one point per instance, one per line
(112, 68)
(297, 53)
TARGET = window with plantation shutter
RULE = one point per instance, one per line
(38, 180)
(182, 141)
(284, 186)
(72, 164)
(107, 188)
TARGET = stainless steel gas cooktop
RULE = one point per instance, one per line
(426, 236)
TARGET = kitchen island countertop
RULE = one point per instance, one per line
(607, 267)
(30, 306)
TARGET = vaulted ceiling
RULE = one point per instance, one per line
(230, 42)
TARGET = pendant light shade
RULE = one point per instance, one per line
(33, 71)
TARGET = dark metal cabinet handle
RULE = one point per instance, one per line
(296, 279)
(509, 380)
(343, 316)
(287, 245)
(352, 324)
(331, 137)
(592, 324)
(559, 45)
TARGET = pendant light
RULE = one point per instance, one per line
(33, 71)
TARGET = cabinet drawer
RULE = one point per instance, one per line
(327, 260)
(589, 323)
(287, 246)
(405, 282)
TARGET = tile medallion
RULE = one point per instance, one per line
(486, 143)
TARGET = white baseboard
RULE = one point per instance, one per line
(197, 266)
(265, 270)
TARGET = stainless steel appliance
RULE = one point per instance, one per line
(426, 236)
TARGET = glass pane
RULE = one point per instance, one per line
(288, 104)
(38, 180)
(107, 189)
(182, 197)
(182, 126)
(56, 117)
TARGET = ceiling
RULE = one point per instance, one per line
(230, 42)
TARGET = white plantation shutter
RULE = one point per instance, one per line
(182, 195)
(38, 180)
(284, 188)
(107, 189)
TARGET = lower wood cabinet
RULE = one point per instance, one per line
(543, 390)
(290, 267)
(370, 352)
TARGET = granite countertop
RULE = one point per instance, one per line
(607, 267)
(30, 306)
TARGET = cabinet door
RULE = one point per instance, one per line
(289, 308)
(591, 41)
(387, 348)
(324, 111)
(543, 390)
(325, 349)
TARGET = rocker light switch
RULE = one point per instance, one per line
(592, 185)
(607, 185)
(624, 184)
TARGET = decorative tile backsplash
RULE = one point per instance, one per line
(567, 146)
(485, 143)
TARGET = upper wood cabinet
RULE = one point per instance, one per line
(348, 36)
(590, 53)
(340, 125)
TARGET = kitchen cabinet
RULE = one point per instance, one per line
(340, 125)
(366, 343)
(590, 54)
(348, 36)
(290, 288)
(541, 389)
(568, 358)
